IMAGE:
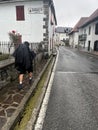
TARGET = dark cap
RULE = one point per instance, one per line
(26, 43)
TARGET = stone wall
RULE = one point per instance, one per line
(8, 73)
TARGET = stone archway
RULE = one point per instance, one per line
(96, 45)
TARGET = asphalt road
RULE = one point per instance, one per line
(73, 103)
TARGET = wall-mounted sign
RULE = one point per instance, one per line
(37, 10)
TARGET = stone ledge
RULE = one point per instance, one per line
(17, 114)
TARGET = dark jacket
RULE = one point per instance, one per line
(23, 56)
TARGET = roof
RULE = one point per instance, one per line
(7, 1)
(24, 0)
(91, 18)
(53, 10)
(63, 29)
(79, 23)
(51, 4)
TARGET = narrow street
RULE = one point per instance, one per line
(73, 102)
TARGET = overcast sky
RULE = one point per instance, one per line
(68, 12)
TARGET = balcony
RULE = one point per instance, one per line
(82, 37)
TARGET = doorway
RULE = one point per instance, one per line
(96, 46)
(89, 45)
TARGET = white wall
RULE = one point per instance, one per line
(71, 40)
(31, 29)
(51, 31)
(92, 37)
(63, 36)
(75, 38)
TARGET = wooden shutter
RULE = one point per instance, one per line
(20, 13)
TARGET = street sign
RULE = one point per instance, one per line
(37, 10)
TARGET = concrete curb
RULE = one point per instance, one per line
(42, 113)
(35, 112)
(17, 114)
(89, 53)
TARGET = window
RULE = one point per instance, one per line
(84, 31)
(20, 13)
(89, 31)
(96, 28)
(89, 42)
(96, 46)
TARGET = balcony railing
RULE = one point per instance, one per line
(83, 37)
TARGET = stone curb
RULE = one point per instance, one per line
(16, 115)
(90, 53)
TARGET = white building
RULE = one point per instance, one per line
(62, 33)
(88, 32)
(85, 33)
(34, 20)
(74, 34)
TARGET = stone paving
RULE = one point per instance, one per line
(10, 96)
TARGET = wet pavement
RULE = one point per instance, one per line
(74, 93)
(11, 97)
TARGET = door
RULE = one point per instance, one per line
(96, 46)
(89, 45)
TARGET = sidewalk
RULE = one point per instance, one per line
(94, 53)
(11, 98)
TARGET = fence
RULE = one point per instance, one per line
(8, 48)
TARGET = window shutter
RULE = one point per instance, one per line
(20, 13)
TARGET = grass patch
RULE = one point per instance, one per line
(32, 102)
(4, 57)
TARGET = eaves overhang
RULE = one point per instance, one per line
(89, 22)
(51, 4)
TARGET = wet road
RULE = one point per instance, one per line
(73, 103)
